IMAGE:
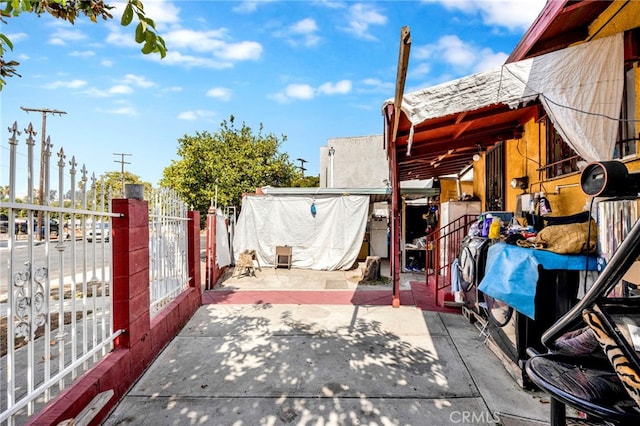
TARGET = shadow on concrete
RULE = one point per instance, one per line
(270, 364)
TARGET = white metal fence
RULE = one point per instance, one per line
(55, 280)
(168, 248)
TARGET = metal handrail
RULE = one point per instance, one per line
(443, 245)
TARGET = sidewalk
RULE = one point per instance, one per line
(302, 354)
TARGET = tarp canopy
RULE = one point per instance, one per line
(328, 240)
(580, 87)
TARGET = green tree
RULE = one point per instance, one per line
(306, 182)
(228, 163)
(69, 10)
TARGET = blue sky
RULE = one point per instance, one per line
(310, 70)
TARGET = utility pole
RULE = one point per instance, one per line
(302, 161)
(122, 163)
(43, 134)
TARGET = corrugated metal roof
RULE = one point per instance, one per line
(376, 194)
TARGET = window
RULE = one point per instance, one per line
(561, 158)
(494, 177)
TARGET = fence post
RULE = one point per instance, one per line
(130, 248)
(212, 267)
(193, 244)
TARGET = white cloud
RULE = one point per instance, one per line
(16, 37)
(242, 51)
(177, 58)
(125, 110)
(299, 91)
(138, 81)
(461, 55)
(221, 93)
(361, 18)
(455, 51)
(118, 37)
(172, 89)
(161, 11)
(280, 97)
(106, 63)
(307, 92)
(249, 6)
(63, 36)
(511, 14)
(199, 41)
(342, 87)
(73, 84)
(307, 30)
(95, 93)
(180, 40)
(489, 60)
(82, 54)
(330, 4)
(420, 70)
(375, 85)
(194, 115)
(120, 89)
(214, 42)
(124, 87)
(304, 26)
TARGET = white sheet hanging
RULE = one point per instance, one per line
(223, 252)
(330, 240)
(579, 86)
(581, 90)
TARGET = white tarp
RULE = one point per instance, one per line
(223, 252)
(329, 240)
(580, 87)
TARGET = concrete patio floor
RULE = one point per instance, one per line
(269, 362)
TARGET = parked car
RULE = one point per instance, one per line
(101, 230)
(20, 226)
(53, 227)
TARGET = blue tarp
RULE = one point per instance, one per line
(511, 273)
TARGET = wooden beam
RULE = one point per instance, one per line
(461, 129)
(401, 77)
(461, 117)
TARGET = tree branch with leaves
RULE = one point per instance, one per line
(69, 10)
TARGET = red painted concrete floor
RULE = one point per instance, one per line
(420, 295)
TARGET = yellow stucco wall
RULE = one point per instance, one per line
(525, 156)
(449, 189)
(620, 16)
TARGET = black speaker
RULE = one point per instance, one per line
(609, 179)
